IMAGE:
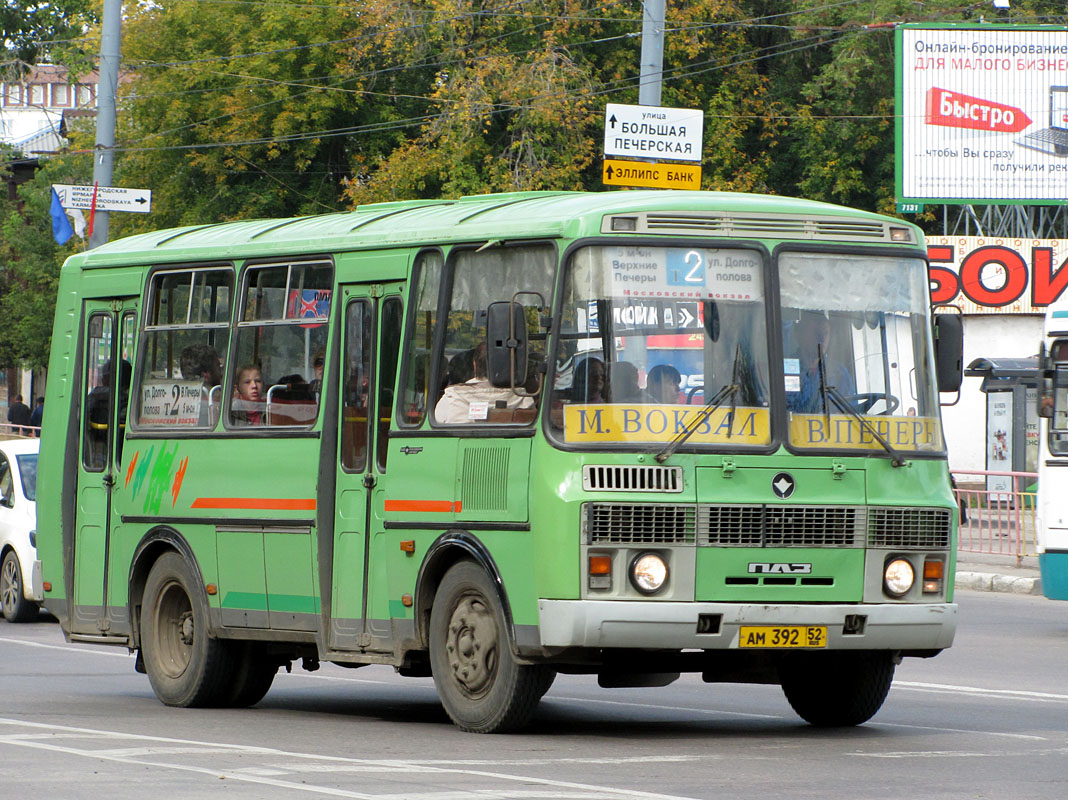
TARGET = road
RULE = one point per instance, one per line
(986, 719)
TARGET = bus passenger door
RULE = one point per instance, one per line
(107, 366)
(370, 348)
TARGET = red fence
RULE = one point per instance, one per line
(999, 520)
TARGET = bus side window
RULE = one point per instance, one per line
(391, 323)
(183, 358)
(417, 395)
(282, 333)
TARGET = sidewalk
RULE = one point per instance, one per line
(998, 573)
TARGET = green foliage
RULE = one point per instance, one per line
(30, 29)
(29, 264)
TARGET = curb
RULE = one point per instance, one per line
(993, 582)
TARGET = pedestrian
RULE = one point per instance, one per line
(18, 413)
(37, 415)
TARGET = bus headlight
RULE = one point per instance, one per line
(648, 573)
(898, 577)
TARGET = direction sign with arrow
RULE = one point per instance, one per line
(108, 198)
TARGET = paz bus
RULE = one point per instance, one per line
(1051, 512)
(627, 434)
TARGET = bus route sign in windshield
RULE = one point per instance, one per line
(677, 272)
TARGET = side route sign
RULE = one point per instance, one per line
(617, 172)
(671, 134)
(108, 198)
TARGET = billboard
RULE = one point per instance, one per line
(997, 275)
(982, 114)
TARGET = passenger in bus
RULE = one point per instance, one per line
(589, 384)
(623, 383)
(813, 334)
(472, 400)
(461, 368)
(202, 361)
(663, 385)
(248, 396)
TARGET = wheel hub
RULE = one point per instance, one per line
(472, 645)
(185, 627)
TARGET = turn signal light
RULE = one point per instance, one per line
(48, 586)
(600, 572)
(933, 572)
(408, 545)
(600, 565)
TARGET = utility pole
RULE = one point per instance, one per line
(106, 90)
(651, 74)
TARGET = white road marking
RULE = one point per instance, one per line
(79, 648)
(562, 789)
(1013, 694)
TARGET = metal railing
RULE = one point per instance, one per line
(996, 521)
(9, 431)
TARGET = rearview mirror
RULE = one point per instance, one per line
(949, 351)
(506, 344)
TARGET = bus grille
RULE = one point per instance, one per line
(640, 523)
(781, 526)
(909, 528)
(631, 479)
(737, 525)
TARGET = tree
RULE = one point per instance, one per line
(231, 111)
(31, 28)
(30, 262)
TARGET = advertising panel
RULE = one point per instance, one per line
(997, 274)
(982, 114)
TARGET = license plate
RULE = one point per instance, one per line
(782, 636)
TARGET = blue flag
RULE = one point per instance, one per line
(61, 227)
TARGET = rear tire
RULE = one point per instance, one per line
(835, 690)
(187, 668)
(480, 684)
(16, 608)
(253, 674)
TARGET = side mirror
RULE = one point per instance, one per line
(949, 351)
(506, 344)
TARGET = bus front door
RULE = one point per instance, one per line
(107, 365)
(370, 348)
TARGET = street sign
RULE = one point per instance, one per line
(108, 198)
(671, 134)
(651, 176)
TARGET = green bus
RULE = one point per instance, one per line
(493, 439)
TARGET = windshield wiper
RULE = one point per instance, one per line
(896, 459)
(728, 391)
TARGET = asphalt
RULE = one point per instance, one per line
(998, 573)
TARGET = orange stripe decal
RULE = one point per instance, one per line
(424, 506)
(257, 503)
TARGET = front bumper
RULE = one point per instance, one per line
(886, 626)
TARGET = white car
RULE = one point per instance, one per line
(21, 590)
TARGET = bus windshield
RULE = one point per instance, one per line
(856, 340)
(649, 336)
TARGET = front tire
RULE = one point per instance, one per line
(481, 686)
(835, 690)
(186, 667)
(16, 608)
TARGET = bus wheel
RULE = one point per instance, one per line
(186, 667)
(480, 685)
(834, 690)
(16, 607)
(252, 676)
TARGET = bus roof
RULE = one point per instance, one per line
(496, 216)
